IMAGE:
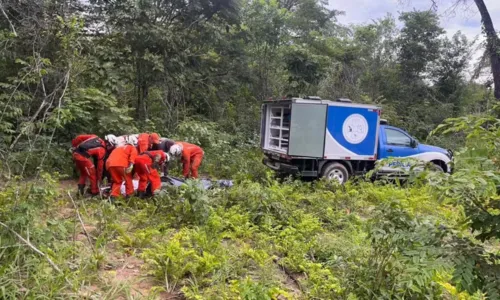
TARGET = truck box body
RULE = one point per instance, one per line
(335, 140)
(320, 129)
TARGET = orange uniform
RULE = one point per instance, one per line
(147, 173)
(118, 161)
(86, 148)
(146, 141)
(191, 158)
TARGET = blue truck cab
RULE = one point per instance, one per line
(312, 137)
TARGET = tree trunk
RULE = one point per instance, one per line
(145, 93)
(138, 85)
(493, 44)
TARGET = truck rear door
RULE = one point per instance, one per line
(263, 128)
(307, 130)
(275, 126)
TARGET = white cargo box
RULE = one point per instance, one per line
(320, 129)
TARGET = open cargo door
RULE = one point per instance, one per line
(276, 127)
(307, 130)
(263, 128)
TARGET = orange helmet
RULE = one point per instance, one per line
(154, 138)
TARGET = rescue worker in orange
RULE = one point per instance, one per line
(120, 164)
(88, 154)
(191, 157)
(164, 146)
(146, 165)
(111, 143)
(147, 141)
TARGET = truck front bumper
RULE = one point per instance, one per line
(280, 167)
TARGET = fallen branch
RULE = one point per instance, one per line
(81, 222)
(29, 244)
(289, 274)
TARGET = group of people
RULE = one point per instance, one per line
(122, 158)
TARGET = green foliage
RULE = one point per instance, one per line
(401, 252)
(407, 255)
(227, 155)
(270, 240)
(30, 210)
(197, 71)
(474, 187)
(200, 71)
(250, 290)
(419, 42)
(90, 110)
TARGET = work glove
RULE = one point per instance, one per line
(71, 150)
(157, 158)
(129, 169)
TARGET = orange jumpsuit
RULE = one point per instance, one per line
(86, 148)
(191, 158)
(118, 161)
(145, 141)
(144, 168)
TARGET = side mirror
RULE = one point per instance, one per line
(413, 143)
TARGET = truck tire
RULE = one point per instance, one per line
(438, 168)
(435, 167)
(335, 171)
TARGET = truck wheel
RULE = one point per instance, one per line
(436, 168)
(335, 171)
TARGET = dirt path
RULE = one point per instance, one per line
(121, 272)
(127, 270)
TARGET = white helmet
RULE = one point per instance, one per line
(167, 159)
(133, 139)
(176, 150)
(111, 139)
(121, 140)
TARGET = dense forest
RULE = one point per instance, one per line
(126, 66)
(198, 71)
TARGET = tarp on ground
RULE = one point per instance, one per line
(174, 181)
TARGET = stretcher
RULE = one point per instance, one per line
(176, 182)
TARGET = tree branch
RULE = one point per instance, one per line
(8, 20)
(29, 244)
(81, 222)
(44, 103)
(67, 78)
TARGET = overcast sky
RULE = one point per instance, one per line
(465, 18)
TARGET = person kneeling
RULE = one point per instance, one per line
(146, 165)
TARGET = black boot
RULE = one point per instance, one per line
(81, 189)
(141, 195)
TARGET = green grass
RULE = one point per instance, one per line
(258, 240)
